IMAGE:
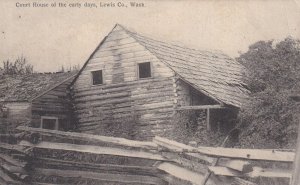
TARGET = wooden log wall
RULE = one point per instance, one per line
(124, 101)
(18, 111)
(183, 92)
(187, 95)
(55, 103)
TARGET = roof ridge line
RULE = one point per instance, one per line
(201, 90)
(179, 44)
(126, 29)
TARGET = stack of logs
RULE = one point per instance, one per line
(14, 161)
(57, 157)
(42, 157)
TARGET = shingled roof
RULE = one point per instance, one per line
(213, 73)
(27, 87)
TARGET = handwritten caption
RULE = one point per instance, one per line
(80, 5)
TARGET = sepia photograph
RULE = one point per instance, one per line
(149, 92)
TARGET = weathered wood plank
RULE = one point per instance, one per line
(124, 45)
(125, 54)
(124, 178)
(182, 173)
(12, 161)
(224, 171)
(250, 154)
(114, 117)
(154, 105)
(185, 163)
(200, 107)
(13, 169)
(240, 181)
(208, 124)
(7, 179)
(179, 147)
(93, 138)
(102, 97)
(135, 88)
(238, 165)
(97, 62)
(50, 106)
(296, 165)
(134, 84)
(41, 183)
(57, 101)
(120, 50)
(95, 150)
(54, 110)
(13, 148)
(99, 91)
(95, 167)
(124, 84)
(54, 92)
(270, 173)
(257, 172)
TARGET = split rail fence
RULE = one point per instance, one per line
(43, 157)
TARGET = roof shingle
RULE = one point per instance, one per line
(26, 87)
(213, 73)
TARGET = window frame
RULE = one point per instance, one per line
(138, 70)
(50, 117)
(92, 77)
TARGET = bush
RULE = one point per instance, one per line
(126, 128)
(19, 66)
(190, 125)
(270, 119)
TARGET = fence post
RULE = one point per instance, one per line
(296, 173)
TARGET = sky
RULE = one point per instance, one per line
(51, 37)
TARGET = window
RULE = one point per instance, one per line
(144, 70)
(49, 123)
(97, 77)
(4, 112)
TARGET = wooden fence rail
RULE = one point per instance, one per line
(42, 156)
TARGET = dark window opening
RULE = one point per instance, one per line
(49, 124)
(97, 77)
(144, 70)
(4, 112)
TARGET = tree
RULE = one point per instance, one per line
(19, 66)
(70, 68)
(62, 69)
(273, 77)
(75, 67)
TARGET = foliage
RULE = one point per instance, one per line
(190, 125)
(125, 128)
(75, 67)
(19, 66)
(270, 118)
(112, 126)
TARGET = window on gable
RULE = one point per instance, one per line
(49, 123)
(144, 70)
(97, 77)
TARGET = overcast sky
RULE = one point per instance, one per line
(52, 37)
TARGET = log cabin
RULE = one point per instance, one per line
(142, 83)
(40, 98)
